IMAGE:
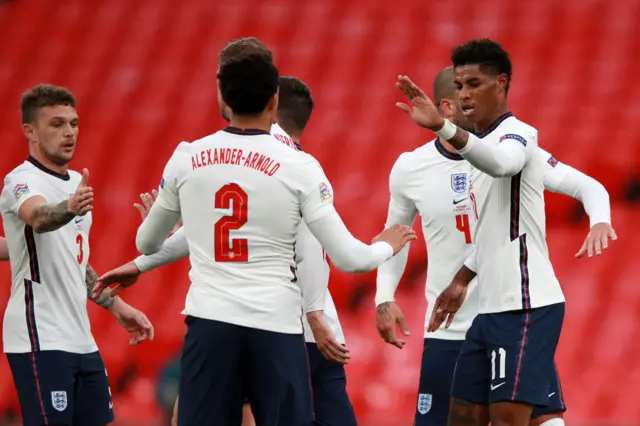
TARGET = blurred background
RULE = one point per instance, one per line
(144, 74)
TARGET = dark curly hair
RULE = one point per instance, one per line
(486, 53)
(44, 95)
(247, 84)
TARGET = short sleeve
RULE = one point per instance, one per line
(18, 188)
(173, 175)
(316, 195)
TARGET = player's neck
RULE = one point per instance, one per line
(448, 146)
(43, 160)
(483, 125)
(261, 122)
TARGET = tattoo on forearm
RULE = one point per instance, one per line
(50, 217)
(460, 139)
(105, 300)
(461, 413)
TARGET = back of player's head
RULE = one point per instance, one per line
(444, 86)
(44, 95)
(295, 105)
(242, 48)
(248, 84)
(485, 53)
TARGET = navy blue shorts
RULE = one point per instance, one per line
(434, 391)
(329, 384)
(222, 363)
(62, 388)
(509, 356)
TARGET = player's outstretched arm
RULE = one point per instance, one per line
(4, 249)
(47, 217)
(154, 230)
(566, 180)
(350, 254)
(104, 299)
(502, 160)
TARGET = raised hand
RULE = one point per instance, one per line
(597, 240)
(82, 201)
(147, 201)
(388, 314)
(396, 236)
(421, 109)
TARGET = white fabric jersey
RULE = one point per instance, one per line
(434, 182)
(241, 195)
(47, 309)
(314, 264)
(423, 181)
(514, 270)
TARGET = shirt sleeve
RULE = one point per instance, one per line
(18, 188)
(172, 177)
(471, 261)
(316, 204)
(402, 211)
(175, 248)
(313, 271)
(566, 180)
(505, 159)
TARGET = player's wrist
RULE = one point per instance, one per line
(447, 130)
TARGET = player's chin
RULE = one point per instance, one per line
(65, 154)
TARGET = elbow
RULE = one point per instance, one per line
(145, 246)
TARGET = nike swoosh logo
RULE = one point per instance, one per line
(110, 405)
(497, 386)
(78, 219)
(459, 201)
(551, 394)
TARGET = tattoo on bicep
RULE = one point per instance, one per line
(50, 217)
(461, 413)
(105, 300)
(460, 139)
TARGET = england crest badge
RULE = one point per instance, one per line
(424, 403)
(59, 400)
(459, 182)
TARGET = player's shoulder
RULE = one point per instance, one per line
(513, 128)
(410, 160)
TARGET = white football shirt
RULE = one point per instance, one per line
(435, 183)
(241, 195)
(314, 265)
(514, 270)
(47, 309)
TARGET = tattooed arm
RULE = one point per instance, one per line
(44, 217)
(4, 249)
(105, 300)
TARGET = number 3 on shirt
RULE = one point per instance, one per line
(79, 241)
(239, 249)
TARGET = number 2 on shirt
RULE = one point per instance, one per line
(239, 249)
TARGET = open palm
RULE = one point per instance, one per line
(421, 109)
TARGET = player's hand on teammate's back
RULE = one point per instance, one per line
(125, 275)
(421, 109)
(326, 341)
(81, 202)
(388, 314)
(597, 240)
(396, 236)
(147, 201)
(447, 304)
(134, 321)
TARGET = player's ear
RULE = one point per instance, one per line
(273, 102)
(29, 130)
(502, 81)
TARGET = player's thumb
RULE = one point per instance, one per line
(85, 178)
(403, 326)
(406, 108)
